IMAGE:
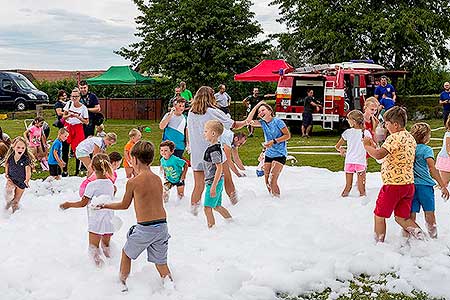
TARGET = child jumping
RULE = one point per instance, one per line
(424, 172)
(37, 141)
(150, 233)
(397, 173)
(18, 162)
(101, 190)
(55, 162)
(355, 155)
(135, 135)
(93, 145)
(175, 170)
(443, 157)
(213, 160)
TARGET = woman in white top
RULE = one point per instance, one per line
(93, 145)
(203, 109)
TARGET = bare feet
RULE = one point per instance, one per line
(345, 193)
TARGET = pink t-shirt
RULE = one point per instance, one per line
(92, 178)
(34, 135)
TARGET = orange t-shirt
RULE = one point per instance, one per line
(126, 149)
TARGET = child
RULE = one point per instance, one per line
(397, 173)
(93, 145)
(18, 161)
(37, 141)
(355, 156)
(213, 160)
(150, 233)
(370, 120)
(100, 130)
(55, 162)
(100, 226)
(135, 135)
(260, 167)
(443, 157)
(386, 103)
(175, 170)
(116, 160)
(424, 172)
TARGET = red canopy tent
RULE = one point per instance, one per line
(267, 71)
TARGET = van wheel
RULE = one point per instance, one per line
(20, 105)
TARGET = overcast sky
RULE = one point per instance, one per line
(78, 35)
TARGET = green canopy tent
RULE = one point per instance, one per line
(120, 75)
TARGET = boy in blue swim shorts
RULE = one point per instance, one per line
(213, 160)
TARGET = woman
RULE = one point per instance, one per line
(203, 109)
(75, 115)
(276, 134)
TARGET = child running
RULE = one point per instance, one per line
(150, 233)
(18, 162)
(101, 190)
(424, 172)
(443, 157)
(93, 145)
(397, 173)
(355, 155)
(37, 141)
(175, 170)
(213, 160)
(135, 135)
(55, 162)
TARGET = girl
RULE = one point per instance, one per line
(370, 120)
(443, 158)
(18, 172)
(37, 141)
(93, 145)
(276, 134)
(100, 226)
(355, 156)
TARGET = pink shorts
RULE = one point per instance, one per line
(354, 168)
(443, 164)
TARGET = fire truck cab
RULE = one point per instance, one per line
(338, 88)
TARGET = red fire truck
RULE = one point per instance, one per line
(338, 87)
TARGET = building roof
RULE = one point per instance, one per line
(55, 75)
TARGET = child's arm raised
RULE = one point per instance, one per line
(78, 204)
(217, 175)
(126, 201)
(339, 147)
(374, 152)
(435, 174)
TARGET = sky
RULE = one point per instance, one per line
(78, 35)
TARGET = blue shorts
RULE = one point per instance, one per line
(423, 197)
(217, 200)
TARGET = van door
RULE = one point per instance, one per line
(7, 93)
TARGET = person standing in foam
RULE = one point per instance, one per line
(100, 225)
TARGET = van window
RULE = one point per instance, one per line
(7, 85)
(23, 82)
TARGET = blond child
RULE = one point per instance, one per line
(371, 106)
(213, 160)
(443, 157)
(355, 155)
(55, 162)
(397, 173)
(134, 135)
(100, 225)
(18, 162)
(100, 129)
(150, 233)
(174, 168)
(93, 145)
(424, 172)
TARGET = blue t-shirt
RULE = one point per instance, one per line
(387, 103)
(272, 130)
(445, 96)
(388, 90)
(173, 168)
(57, 145)
(421, 171)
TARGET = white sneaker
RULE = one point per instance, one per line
(194, 209)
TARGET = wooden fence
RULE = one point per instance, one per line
(131, 109)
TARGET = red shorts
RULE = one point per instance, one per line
(394, 198)
(76, 135)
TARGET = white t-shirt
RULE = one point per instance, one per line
(195, 125)
(222, 99)
(81, 111)
(356, 154)
(100, 220)
(87, 146)
(227, 138)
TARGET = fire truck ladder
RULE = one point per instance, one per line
(328, 105)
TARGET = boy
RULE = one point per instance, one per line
(424, 172)
(397, 192)
(175, 170)
(213, 166)
(135, 135)
(150, 232)
(55, 162)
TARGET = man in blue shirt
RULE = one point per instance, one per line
(444, 100)
(385, 88)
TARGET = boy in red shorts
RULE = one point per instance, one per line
(397, 192)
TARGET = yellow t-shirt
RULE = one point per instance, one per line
(398, 165)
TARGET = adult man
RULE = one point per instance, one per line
(177, 94)
(309, 108)
(385, 88)
(249, 102)
(444, 100)
(185, 93)
(223, 99)
(90, 100)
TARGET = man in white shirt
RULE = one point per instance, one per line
(223, 99)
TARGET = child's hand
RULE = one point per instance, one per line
(62, 164)
(27, 182)
(64, 205)
(100, 206)
(342, 151)
(212, 192)
(445, 193)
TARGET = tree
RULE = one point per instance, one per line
(397, 34)
(199, 41)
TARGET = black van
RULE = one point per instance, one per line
(18, 92)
